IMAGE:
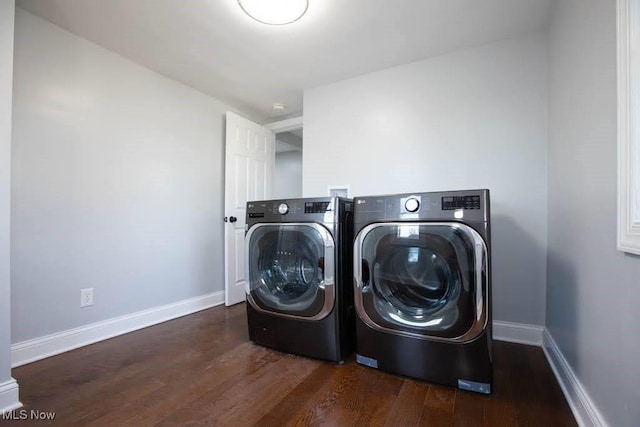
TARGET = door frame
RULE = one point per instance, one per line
(286, 125)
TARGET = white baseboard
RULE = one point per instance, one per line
(9, 396)
(39, 348)
(583, 408)
(517, 332)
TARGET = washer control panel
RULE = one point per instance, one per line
(317, 209)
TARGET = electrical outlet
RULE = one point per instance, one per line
(86, 297)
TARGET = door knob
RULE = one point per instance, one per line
(232, 219)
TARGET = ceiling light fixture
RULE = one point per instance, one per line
(274, 12)
(278, 108)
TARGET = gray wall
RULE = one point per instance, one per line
(287, 175)
(117, 184)
(593, 291)
(6, 70)
(471, 119)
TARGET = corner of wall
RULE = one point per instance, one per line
(583, 407)
(8, 386)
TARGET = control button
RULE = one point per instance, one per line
(283, 208)
(412, 204)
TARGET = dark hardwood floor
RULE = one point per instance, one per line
(202, 370)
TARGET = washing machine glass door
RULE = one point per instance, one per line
(427, 280)
(290, 269)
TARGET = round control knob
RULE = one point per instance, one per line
(412, 204)
(283, 208)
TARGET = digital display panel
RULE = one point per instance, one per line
(316, 207)
(450, 203)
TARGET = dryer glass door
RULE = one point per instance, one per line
(422, 279)
(290, 269)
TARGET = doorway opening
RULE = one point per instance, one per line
(287, 173)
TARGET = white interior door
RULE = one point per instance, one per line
(249, 163)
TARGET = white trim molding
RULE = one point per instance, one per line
(285, 125)
(628, 29)
(517, 332)
(40, 348)
(583, 408)
(9, 396)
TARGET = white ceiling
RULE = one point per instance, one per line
(212, 46)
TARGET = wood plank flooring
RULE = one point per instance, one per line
(202, 370)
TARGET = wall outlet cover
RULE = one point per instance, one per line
(86, 297)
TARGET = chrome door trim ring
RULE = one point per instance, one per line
(328, 283)
(481, 283)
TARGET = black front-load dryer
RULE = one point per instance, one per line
(298, 264)
(422, 286)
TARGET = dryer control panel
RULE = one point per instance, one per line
(466, 205)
